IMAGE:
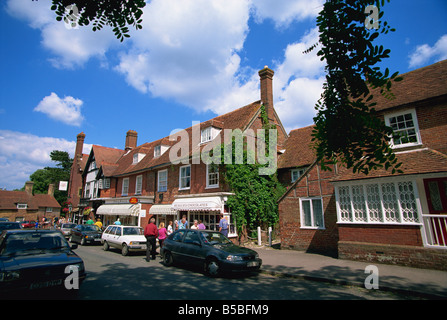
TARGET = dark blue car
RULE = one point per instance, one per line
(209, 249)
(31, 260)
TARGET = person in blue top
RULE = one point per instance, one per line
(223, 225)
(118, 222)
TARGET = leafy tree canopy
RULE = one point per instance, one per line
(42, 178)
(118, 14)
(347, 128)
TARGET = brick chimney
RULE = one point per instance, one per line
(131, 140)
(79, 145)
(29, 187)
(51, 189)
(266, 76)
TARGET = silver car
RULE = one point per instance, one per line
(65, 228)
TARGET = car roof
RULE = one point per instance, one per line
(30, 231)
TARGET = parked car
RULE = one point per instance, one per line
(210, 249)
(36, 259)
(125, 238)
(28, 224)
(8, 225)
(86, 233)
(65, 228)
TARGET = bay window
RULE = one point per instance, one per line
(378, 202)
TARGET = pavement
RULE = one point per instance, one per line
(424, 283)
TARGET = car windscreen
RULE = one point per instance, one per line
(90, 227)
(68, 225)
(214, 238)
(33, 242)
(130, 231)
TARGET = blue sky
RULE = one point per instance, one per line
(193, 60)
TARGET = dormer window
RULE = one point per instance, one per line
(208, 134)
(159, 150)
(22, 206)
(137, 157)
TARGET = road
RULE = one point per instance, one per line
(112, 276)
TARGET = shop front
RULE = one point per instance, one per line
(206, 209)
(128, 214)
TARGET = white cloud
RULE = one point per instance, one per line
(424, 53)
(283, 12)
(22, 154)
(187, 50)
(67, 110)
(71, 48)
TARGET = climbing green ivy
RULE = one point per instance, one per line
(254, 201)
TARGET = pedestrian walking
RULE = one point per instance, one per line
(151, 234)
(162, 234)
(183, 224)
(170, 228)
(223, 225)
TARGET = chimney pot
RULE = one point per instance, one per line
(131, 140)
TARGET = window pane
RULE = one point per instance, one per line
(435, 195)
(317, 212)
(306, 213)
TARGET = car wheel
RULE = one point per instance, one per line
(105, 246)
(212, 267)
(124, 250)
(167, 259)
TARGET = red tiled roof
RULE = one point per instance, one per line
(237, 119)
(418, 85)
(420, 161)
(299, 151)
(10, 199)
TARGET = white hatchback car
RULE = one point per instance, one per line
(125, 238)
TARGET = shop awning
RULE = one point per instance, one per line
(119, 210)
(162, 209)
(198, 204)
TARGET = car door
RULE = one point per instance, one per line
(175, 246)
(115, 235)
(76, 234)
(192, 248)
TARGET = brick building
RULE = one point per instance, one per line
(379, 217)
(26, 206)
(168, 178)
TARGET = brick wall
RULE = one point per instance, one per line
(293, 236)
(432, 120)
(411, 256)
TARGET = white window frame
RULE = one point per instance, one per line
(139, 184)
(162, 184)
(106, 183)
(22, 206)
(415, 127)
(206, 135)
(125, 187)
(157, 151)
(49, 209)
(313, 222)
(180, 185)
(208, 173)
(383, 213)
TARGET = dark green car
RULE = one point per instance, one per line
(210, 249)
